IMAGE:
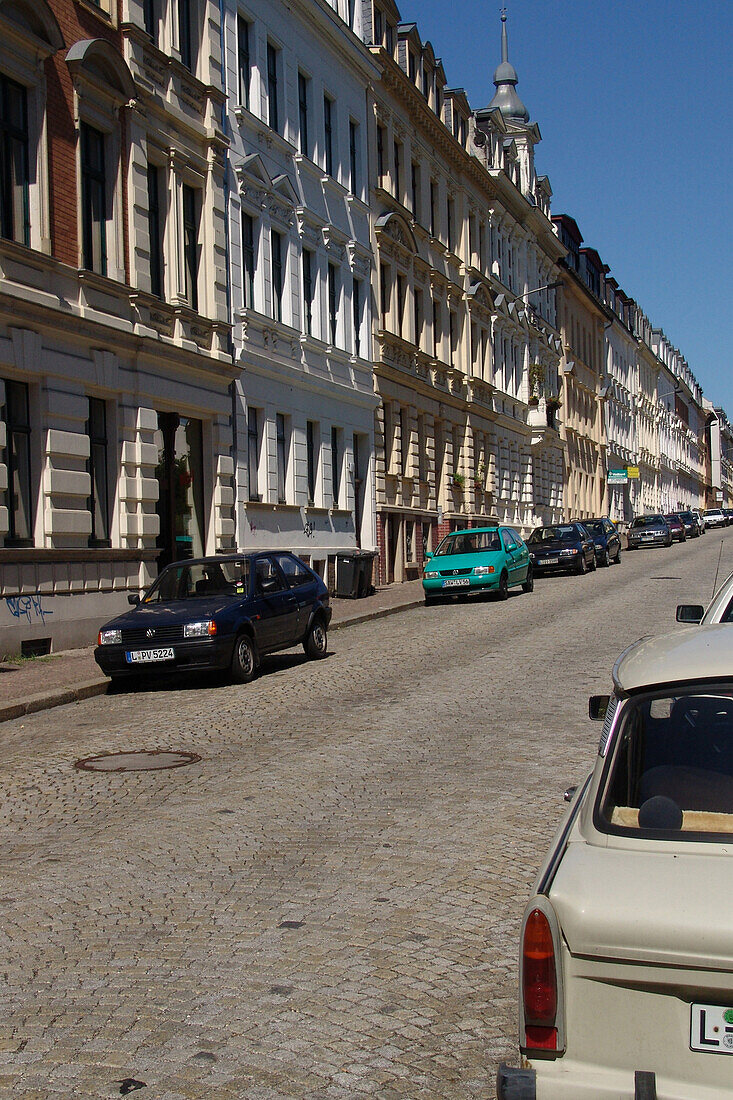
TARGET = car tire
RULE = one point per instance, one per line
(528, 584)
(668, 544)
(316, 640)
(244, 660)
(617, 559)
(582, 565)
(430, 600)
(593, 563)
(606, 559)
(502, 591)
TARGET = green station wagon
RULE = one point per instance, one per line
(477, 559)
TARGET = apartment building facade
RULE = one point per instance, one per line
(466, 351)
(297, 77)
(115, 367)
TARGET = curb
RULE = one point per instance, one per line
(91, 688)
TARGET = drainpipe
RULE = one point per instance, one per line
(226, 130)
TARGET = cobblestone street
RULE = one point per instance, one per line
(327, 905)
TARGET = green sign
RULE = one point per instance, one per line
(618, 477)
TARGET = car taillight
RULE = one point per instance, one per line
(539, 983)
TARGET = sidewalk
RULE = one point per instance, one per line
(43, 682)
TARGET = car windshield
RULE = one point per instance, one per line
(593, 526)
(209, 578)
(468, 542)
(561, 533)
(712, 512)
(647, 521)
(672, 767)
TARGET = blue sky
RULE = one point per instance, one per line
(634, 103)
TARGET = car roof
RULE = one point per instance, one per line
(696, 653)
(210, 559)
(475, 530)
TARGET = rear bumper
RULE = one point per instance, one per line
(191, 654)
(553, 1080)
(516, 1084)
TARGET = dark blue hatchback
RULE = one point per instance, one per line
(219, 613)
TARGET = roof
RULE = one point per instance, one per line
(695, 653)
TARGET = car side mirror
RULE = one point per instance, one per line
(428, 555)
(597, 707)
(134, 598)
(689, 612)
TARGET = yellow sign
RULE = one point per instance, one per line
(632, 472)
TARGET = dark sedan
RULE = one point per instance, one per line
(676, 526)
(692, 528)
(648, 531)
(606, 539)
(562, 546)
(223, 612)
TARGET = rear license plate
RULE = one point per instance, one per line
(143, 656)
(648, 538)
(711, 1029)
(457, 582)
(549, 561)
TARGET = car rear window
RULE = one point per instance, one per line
(187, 581)
(671, 767)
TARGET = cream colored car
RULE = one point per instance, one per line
(626, 968)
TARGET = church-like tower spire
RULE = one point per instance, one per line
(505, 80)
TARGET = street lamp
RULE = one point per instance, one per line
(537, 289)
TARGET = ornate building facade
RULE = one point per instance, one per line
(114, 338)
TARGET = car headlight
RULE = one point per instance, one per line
(109, 637)
(568, 553)
(431, 575)
(203, 629)
(599, 546)
(532, 557)
(482, 570)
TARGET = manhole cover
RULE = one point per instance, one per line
(146, 760)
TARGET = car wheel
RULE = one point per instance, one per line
(668, 544)
(593, 563)
(503, 590)
(617, 559)
(606, 559)
(582, 565)
(316, 640)
(528, 585)
(432, 599)
(244, 660)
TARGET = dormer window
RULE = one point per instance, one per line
(411, 65)
(378, 28)
(426, 83)
(390, 39)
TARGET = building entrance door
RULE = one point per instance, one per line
(180, 474)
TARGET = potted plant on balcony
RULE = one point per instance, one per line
(458, 480)
(536, 383)
(479, 476)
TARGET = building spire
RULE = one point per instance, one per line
(506, 80)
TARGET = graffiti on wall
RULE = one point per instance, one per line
(28, 607)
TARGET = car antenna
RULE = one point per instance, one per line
(715, 582)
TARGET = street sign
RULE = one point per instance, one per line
(632, 472)
(617, 477)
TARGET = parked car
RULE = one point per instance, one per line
(676, 526)
(606, 539)
(692, 527)
(627, 944)
(715, 517)
(477, 559)
(648, 531)
(719, 610)
(562, 546)
(700, 518)
(221, 612)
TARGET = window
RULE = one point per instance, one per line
(272, 94)
(433, 206)
(308, 291)
(436, 329)
(245, 70)
(354, 157)
(332, 302)
(450, 211)
(415, 190)
(398, 171)
(328, 134)
(303, 101)
(380, 152)
(98, 503)
(417, 306)
(336, 450)
(390, 39)
(400, 303)
(404, 441)
(16, 415)
(311, 437)
(14, 177)
(253, 453)
(186, 35)
(411, 66)
(452, 335)
(384, 293)
(294, 571)
(155, 232)
(277, 276)
(282, 457)
(248, 261)
(150, 19)
(191, 245)
(93, 200)
(378, 28)
(356, 308)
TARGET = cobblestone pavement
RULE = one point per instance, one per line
(327, 905)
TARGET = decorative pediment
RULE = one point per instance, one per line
(254, 167)
(282, 186)
(34, 19)
(394, 226)
(95, 62)
(479, 293)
